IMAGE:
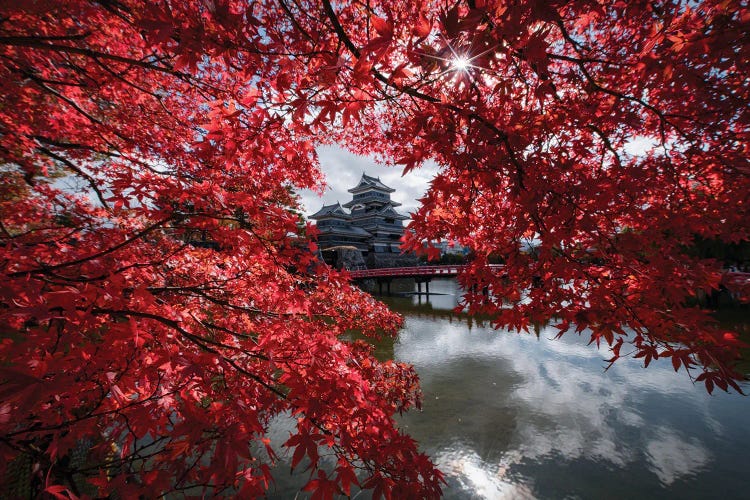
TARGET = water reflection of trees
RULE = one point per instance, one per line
(427, 310)
(735, 319)
(384, 350)
(738, 320)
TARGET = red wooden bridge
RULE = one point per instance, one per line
(737, 282)
(735, 278)
(411, 272)
(729, 278)
(421, 274)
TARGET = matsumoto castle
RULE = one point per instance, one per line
(373, 226)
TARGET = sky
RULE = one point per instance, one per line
(344, 169)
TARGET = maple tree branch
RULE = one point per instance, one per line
(590, 60)
(127, 241)
(196, 339)
(293, 19)
(90, 180)
(606, 141)
(62, 97)
(186, 472)
(502, 136)
(250, 310)
(34, 42)
(125, 80)
(331, 14)
(210, 325)
(114, 153)
(153, 397)
(581, 63)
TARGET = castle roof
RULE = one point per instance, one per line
(369, 200)
(352, 231)
(335, 210)
(389, 211)
(386, 210)
(368, 182)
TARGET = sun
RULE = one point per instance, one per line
(460, 63)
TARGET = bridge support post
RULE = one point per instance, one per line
(387, 282)
(422, 279)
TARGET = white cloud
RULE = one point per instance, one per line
(344, 169)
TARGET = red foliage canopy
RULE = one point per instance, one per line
(160, 303)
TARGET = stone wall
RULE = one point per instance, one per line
(349, 259)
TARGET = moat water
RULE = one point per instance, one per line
(509, 415)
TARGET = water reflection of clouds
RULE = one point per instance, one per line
(567, 405)
(485, 480)
(672, 456)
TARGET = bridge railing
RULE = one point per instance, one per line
(738, 283)
(394, 272)
(736, 277)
